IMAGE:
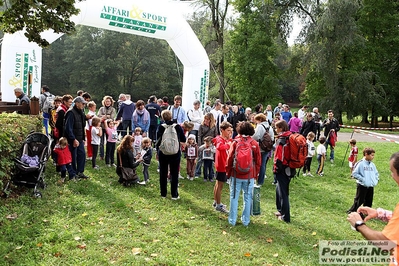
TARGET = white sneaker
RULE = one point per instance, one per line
(180, 176)
(188, 177)
(304, 174)
(176, 198)
(310, 174)
(191, 178)
(142, 183)
(196, 177)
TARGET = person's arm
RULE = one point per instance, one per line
(366, 231)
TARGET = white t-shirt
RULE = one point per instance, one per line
(88, 122)
(95, 138)
(137, 141)
(311, 148)
(321, 149)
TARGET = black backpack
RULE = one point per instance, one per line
(266, 142)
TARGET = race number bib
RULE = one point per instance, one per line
(191, 152)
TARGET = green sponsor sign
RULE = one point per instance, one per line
(135, 19)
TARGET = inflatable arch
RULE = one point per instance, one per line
(21, 64)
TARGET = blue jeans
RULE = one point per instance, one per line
(78, 157)
(327, 143)
(208, 169)
(46, 118)
(247, 186)
(262, 171)
(67, 167)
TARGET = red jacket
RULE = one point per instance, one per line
(222, 148)
(255, 154)
(63, 155)
(278, 152)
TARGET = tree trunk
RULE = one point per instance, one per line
(384, 119)
(365, 119)
(391, 122)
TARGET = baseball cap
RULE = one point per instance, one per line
(79, 99)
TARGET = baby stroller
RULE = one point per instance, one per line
(30, 165)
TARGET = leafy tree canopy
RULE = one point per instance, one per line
(37, 16)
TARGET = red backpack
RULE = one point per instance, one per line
(297, 150)
(243, 156)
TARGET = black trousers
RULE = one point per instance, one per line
(364, 196)
(282, 196)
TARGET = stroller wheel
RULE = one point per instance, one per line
(37, 194)
(43, 185)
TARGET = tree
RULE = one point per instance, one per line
(217, 11)
(37, 16)
(105, 62)
(253, 50)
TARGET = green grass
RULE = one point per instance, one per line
(100, 222)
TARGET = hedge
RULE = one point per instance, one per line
(14, 128)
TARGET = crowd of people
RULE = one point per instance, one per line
(220, 142)
(211, 140)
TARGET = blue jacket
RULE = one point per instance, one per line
(366, 173)
(126, 110)
(178, 114)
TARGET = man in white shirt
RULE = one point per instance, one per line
(195, 115)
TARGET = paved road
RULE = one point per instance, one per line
(344, 137)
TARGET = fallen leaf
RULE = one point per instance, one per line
(81, 246)
(247, 254)
(314, 233)
(84, 214)
(105, 249)
(153, 219)
(100, 222)
(224, 232)
(275, 255)
(192, 217)
(77, 238)
(12, 216)
(39, 244)
(145, 223)
(156, 240)
(18, 248)
(154, 255)
(136, 251)
(58, 254)
(315, 245)
(45, 221)
(102, 236)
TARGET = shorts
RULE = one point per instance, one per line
(221, 176)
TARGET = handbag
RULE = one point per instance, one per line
(127, 173)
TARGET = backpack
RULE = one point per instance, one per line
(298, 150)
(266, 142)
(48, 104)
(243, 156)
(170, 142)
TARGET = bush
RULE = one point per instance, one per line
(14, 128)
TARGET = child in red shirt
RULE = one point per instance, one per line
(64, 159)
(353, 154)
(222, 144)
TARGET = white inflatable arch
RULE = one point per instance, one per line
(21, 61)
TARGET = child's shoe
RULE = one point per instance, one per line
(310, 174)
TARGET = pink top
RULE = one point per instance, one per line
(295, 124)
(112, 134)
